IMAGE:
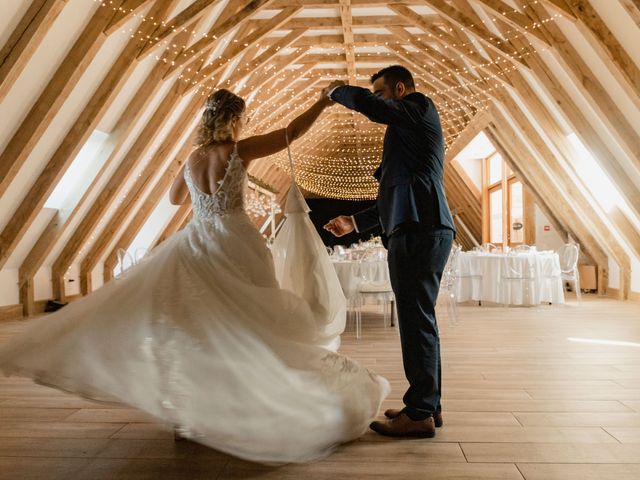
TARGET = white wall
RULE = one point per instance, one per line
(473, 168)
(550, 240)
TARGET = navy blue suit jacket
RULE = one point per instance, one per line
(410, 176)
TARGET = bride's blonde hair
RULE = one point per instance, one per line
(221, 110)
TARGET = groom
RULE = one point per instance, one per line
(413, 212)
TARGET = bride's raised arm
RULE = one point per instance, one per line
(260, 146)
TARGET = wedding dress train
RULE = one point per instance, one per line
(200, 335)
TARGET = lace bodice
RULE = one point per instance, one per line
(228, 198)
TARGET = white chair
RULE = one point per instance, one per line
(381, 291)
(139, 254)
(569, 255)
(490, 248)
(519, 270)
(448, 284)
(125, 261)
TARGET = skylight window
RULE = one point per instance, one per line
(80, 173)
(594, 177)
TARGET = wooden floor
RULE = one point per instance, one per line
(521, 400)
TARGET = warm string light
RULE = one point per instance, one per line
(456, 102)
(504, 38)
(260, 204)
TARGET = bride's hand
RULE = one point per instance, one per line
(325, 98)
(340, 226)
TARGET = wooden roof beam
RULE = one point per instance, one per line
(607, 46)
(589, 136)
(633, 9)
(194, 52)
(108, 193)
(575, 196)
(255, 64)
(119, 134)
(516, 20)
(590, 87)
(274, 93)
(561, 7)
(236, 48)
(477, 124)
(520, 159)
(448, 42)
(381, 21)
(346, 19)
(463, 19)
(25, 39)
(77, 135)
(51, 99)
(124, 12)
(136, 191)
(178, 23)
(144, 210)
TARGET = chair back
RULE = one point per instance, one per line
(569, 254)
(139, 254)
(518, 268)
(449, 274)
(125, 261)
(490, 248)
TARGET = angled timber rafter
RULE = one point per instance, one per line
(24, 40)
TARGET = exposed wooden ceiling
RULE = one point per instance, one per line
(489, 65)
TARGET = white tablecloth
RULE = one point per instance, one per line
(352, 273)
(494, 277)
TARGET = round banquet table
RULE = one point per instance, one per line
(526, 278)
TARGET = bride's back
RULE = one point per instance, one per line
(208, 165)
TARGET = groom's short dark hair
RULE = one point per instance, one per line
(394, 74)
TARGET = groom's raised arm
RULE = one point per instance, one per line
(403, 113)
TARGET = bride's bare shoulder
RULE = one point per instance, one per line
(210, 155)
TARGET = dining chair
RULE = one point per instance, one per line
(517, 270)
(381, 291)
(448, 284)
(569, 272)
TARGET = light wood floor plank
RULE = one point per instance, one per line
(551, 453)
(579, 419)
(625, 435)
(521, 400)
(525, 434)
(579, 472)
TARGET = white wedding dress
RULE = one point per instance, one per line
(200, 335)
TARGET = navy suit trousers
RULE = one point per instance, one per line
(416, 261)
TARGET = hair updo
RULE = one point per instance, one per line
(221, 110)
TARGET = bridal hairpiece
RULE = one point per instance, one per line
(213, 106)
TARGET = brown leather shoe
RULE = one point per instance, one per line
(394, 412)
(403, 426)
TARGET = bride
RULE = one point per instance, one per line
(199, 334)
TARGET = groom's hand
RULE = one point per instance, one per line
(340, 226)
(334, 84)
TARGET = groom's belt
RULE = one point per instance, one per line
(413, 227)
(417, 227)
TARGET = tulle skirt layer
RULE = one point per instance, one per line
(200, 335)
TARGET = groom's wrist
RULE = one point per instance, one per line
(355, 225)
